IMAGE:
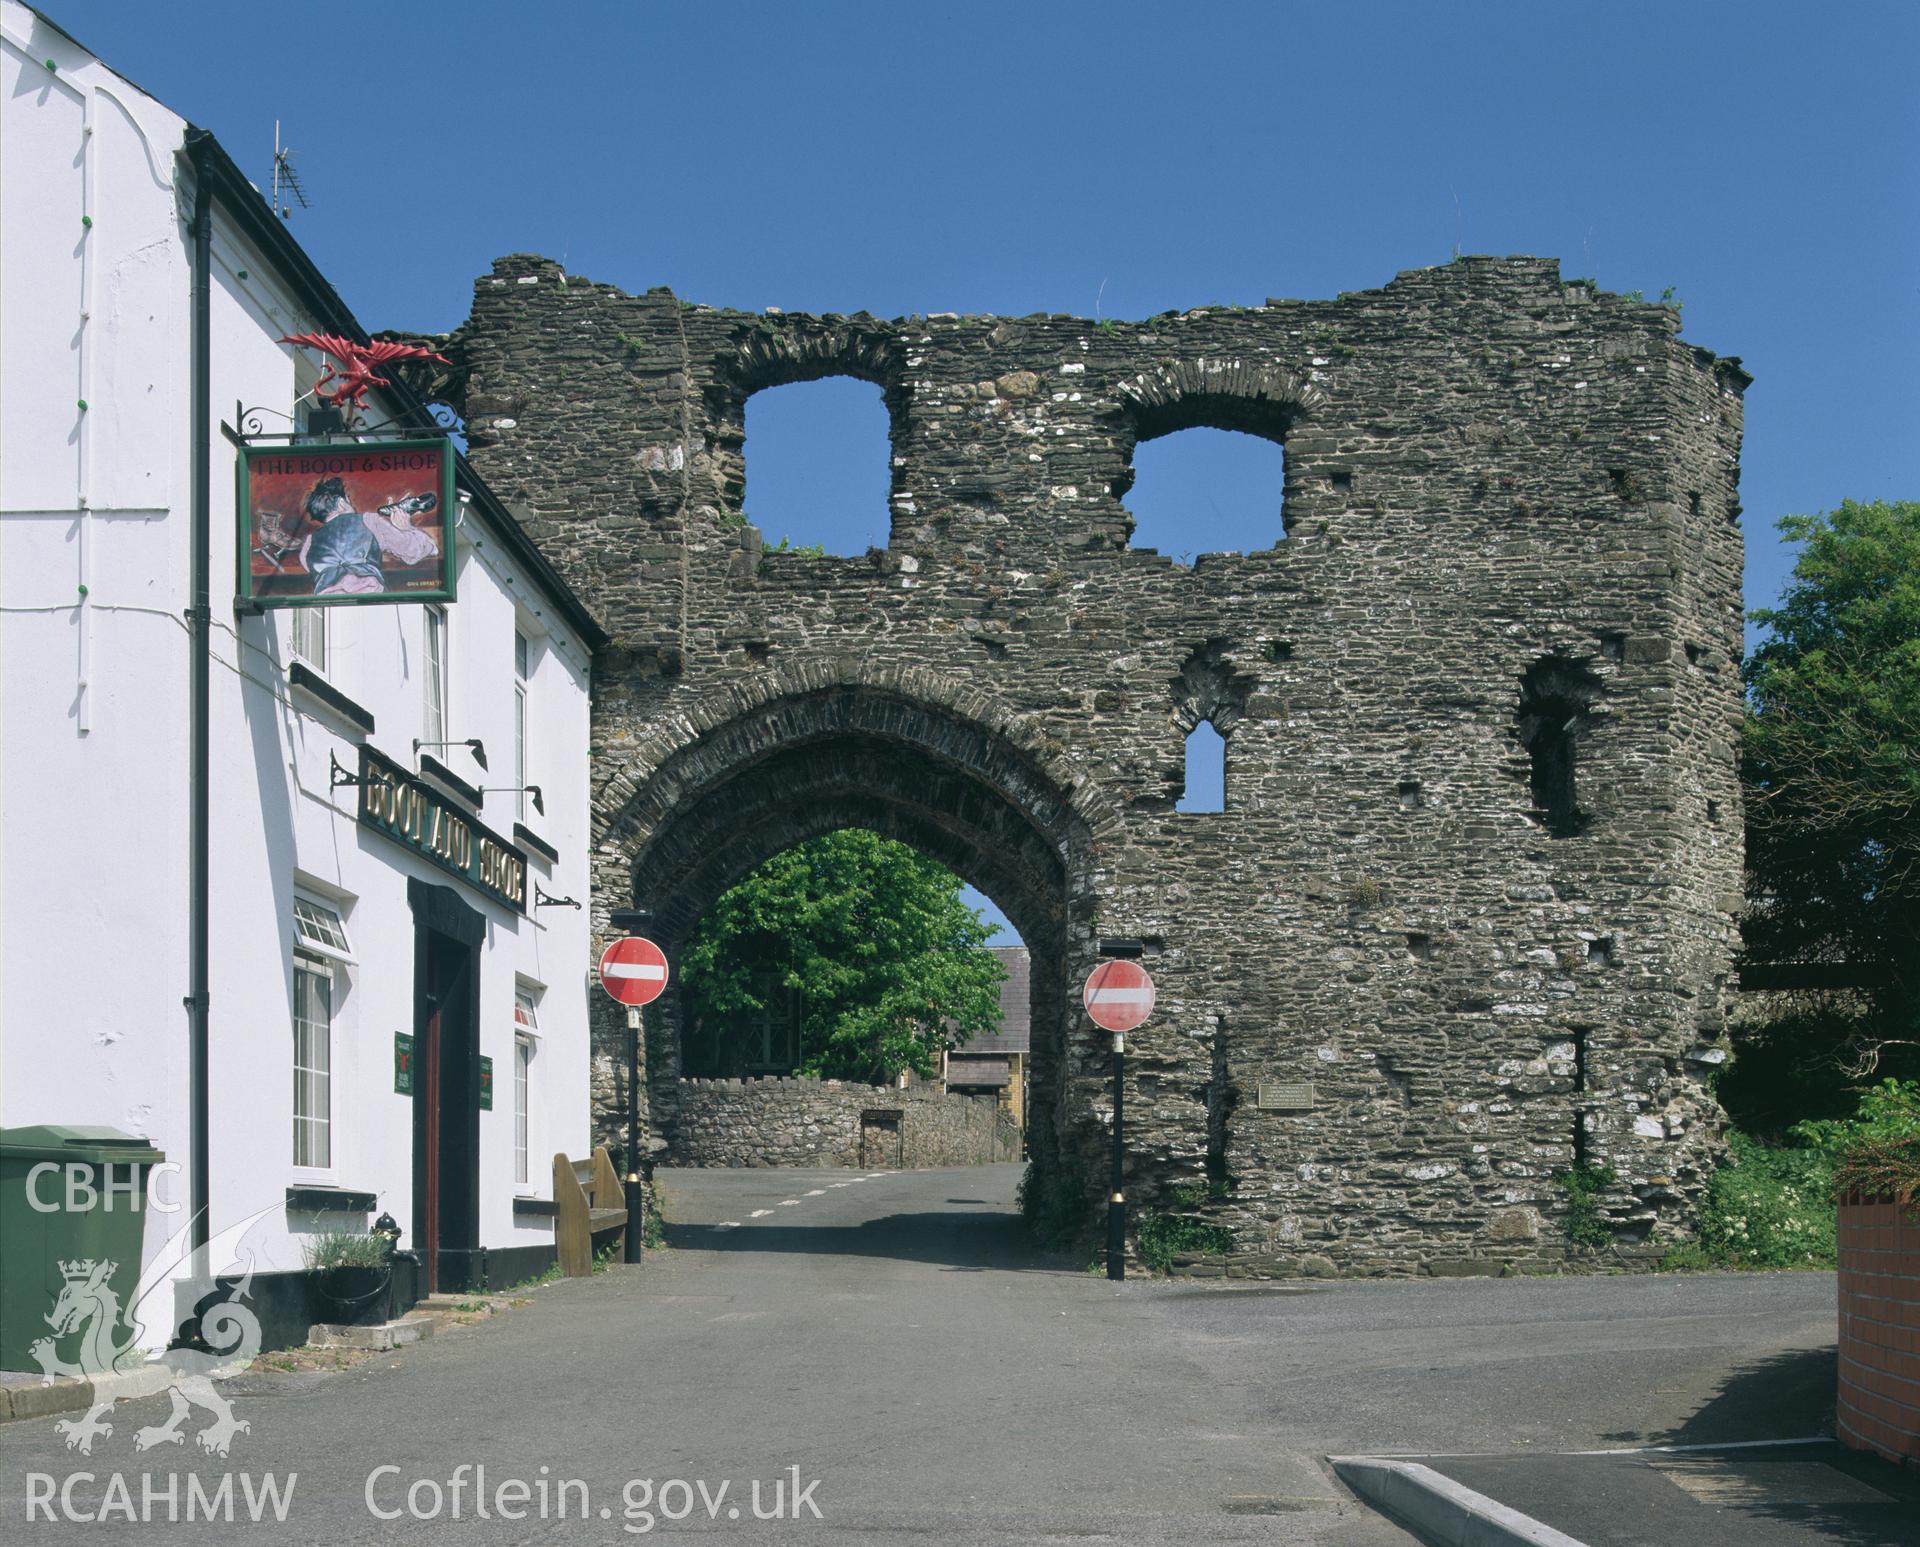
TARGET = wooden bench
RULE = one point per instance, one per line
(589, 1203)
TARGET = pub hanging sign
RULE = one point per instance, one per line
(418, 817)
(326, 525)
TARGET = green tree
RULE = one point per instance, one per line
(1832, 771)
(888, 964)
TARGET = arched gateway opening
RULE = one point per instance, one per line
(919, 761)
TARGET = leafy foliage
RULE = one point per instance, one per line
(1163, 1235)
(872, 937)
(1585, 1223)
(1056, 1216)
(653, 1228)
(1832, 770)
(1887, 1112)
(1770, 1207)
(345, 1249)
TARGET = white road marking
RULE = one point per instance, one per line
(728, 1224)
(759, 1213)
(818, 1192)
(839, 1184)
(787, 1203)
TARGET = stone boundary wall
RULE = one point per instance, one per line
(800, 1122)
(1879, 1406)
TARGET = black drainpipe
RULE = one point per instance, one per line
(200, 622)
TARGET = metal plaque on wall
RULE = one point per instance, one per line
(1285, 1096)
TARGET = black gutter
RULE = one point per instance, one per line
(269, 233)
(200, 619)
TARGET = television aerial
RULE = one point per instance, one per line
(286, 181)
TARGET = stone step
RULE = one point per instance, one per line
(461, 1303)
(380, 1336)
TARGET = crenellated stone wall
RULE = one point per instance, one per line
(1510, 543)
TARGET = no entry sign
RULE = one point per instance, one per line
(1118, 995)
(634, 970)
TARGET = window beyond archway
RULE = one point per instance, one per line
(818, 466)
(1207, 491)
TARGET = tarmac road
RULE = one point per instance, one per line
(891, 1336)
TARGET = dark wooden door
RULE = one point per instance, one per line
(446, 1111)
(429, 1237)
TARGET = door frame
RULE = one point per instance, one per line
(447, 939)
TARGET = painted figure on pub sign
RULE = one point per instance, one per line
(360, 523)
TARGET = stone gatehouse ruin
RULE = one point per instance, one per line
(1468, 914)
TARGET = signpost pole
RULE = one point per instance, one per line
(635, 1196)
(633, 971)
(1117, 1193)
(1118, 996)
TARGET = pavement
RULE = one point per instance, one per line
(886, 1348)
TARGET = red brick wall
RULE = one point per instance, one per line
(1880, 1327)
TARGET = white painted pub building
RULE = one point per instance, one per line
(391, 1012)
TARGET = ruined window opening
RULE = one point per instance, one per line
(1219, 1108)
(1582, 1110)
(1410, 795)
(818, 459)
(1600, 951)
(1206, 772)
(1555, 700)
(1207, 491)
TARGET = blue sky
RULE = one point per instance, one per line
(1118, 158)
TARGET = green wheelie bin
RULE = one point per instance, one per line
(67, 1195)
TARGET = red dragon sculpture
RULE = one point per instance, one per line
(361, 361)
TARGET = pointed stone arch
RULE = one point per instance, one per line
(739, 776)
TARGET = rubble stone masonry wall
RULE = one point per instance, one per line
(801, 1122)
(1476, 880)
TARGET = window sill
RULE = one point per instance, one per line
(307, 683)
(327, 1198)
(522, 834)
(536, 1208)
(440, 773)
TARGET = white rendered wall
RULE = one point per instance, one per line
(94, 714)
(93, 644)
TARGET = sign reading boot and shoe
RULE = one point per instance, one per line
(418, 817)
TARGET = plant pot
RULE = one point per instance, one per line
(352, 1296)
